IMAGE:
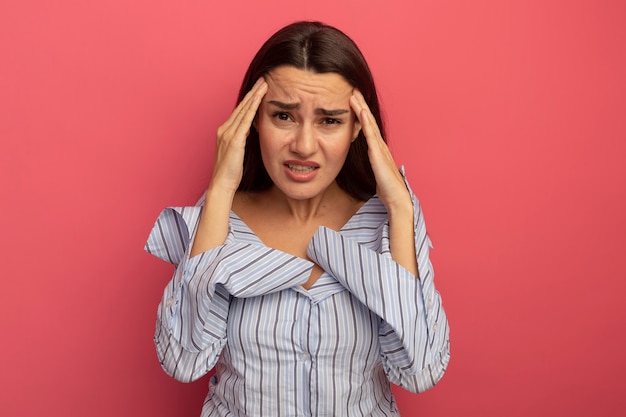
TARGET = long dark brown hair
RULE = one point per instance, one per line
(319, 48)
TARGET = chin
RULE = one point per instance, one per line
(300, 191)
(300, 195)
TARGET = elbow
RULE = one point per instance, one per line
(169, 363)
(435, 372)
(181, 363)
(177, 374)
(175, 366)
(428, 376)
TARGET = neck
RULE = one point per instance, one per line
(305, 210)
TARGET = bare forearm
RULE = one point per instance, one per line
(227, 171)
(401, 236)
(213, 226)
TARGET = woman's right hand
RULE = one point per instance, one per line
(231, 140)
(227, 171)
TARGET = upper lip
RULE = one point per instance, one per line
(302, 163)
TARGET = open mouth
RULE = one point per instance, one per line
(301, 169)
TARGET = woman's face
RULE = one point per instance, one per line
(305, 127)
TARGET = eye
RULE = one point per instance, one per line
(282, 116)
(331, 121)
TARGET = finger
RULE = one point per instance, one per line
(238, 126)
(357, 104)
(240, 109)
(249, 112)
(379, 152)
(366, 118)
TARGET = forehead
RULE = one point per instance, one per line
(299, 86)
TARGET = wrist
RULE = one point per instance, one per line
(219, 193)
(214, 221)
(400, 207)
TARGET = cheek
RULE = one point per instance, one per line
(266, 133)
(270, 143)
(337, 152)
(342, 142)
(264, 145)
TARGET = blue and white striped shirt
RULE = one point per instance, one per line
(281, 350)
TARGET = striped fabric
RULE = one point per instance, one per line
(280, 350)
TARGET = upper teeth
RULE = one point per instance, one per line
(301, 168)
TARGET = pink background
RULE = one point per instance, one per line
(509, 115)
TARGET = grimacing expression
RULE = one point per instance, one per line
(305, 125)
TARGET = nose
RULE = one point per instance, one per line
(304, 142)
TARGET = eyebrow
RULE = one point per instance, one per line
(295, 106)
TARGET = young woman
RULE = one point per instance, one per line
(303, 276)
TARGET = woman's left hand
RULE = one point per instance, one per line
(390, 185)
(390, 188)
